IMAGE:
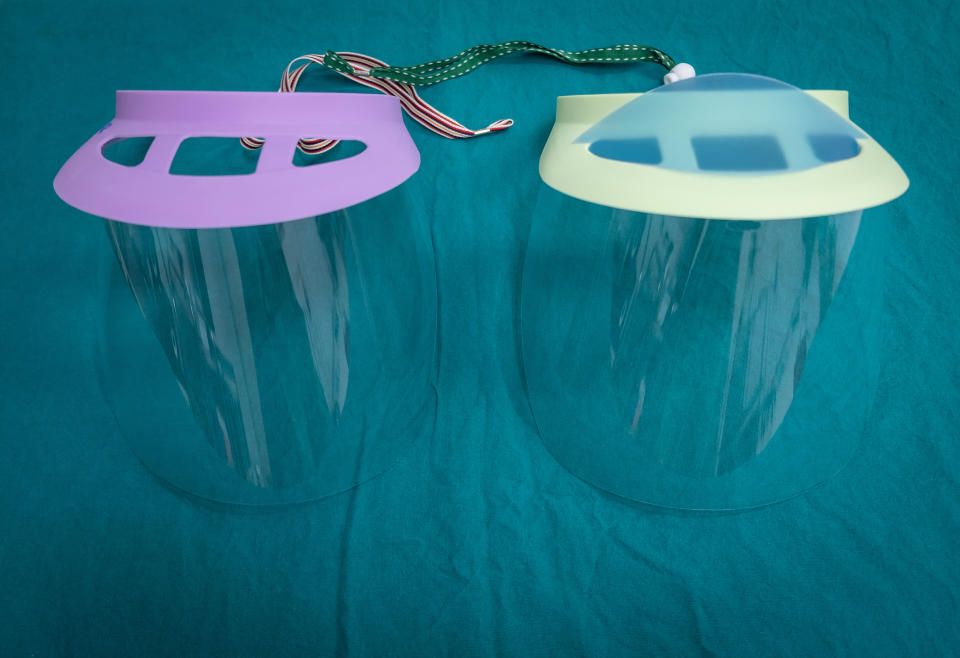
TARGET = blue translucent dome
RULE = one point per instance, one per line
(725, 123)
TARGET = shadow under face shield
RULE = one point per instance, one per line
(685, 250)
(289, 346)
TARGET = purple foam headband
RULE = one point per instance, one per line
(278, 191)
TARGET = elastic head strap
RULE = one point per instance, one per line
(400, 81)
(466, 61)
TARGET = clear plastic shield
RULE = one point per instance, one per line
(276, 363)
(700, 364)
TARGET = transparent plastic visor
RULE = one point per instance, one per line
(275, 363)
(692, 362)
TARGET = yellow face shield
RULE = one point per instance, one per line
(684, 253)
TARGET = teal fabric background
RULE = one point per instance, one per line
(478, 543)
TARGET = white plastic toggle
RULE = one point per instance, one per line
(681, 71)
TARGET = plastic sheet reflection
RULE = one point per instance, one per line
(660, 345)
(300, 348)
(755, 297)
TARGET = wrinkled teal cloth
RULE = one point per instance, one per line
(478, 543)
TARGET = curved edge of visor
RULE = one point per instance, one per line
(869, 178)
(278, 191)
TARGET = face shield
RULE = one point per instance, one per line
(279, 343)
(701, 296)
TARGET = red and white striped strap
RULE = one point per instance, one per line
(418, 109)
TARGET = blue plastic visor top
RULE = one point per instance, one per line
(725, 123)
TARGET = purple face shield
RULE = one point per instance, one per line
(288, 351)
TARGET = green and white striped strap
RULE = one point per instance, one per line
(465, 61)
(401, 81)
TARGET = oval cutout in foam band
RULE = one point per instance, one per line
(288, 351)
(701, 300)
